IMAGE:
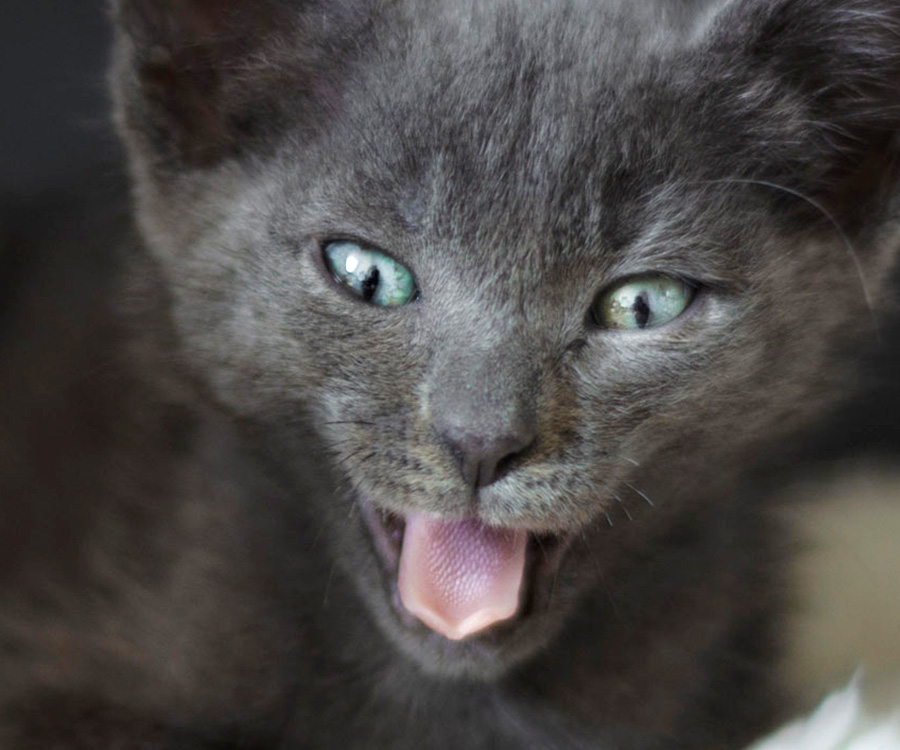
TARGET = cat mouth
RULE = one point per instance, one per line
(462, 579)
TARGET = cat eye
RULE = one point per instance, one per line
(370, 275)
(642, 302)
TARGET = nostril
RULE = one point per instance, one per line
(483, 462)
(507, 463)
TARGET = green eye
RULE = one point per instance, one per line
(642, 302)
(372, 276)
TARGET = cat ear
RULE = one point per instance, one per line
(817, 84)
(198, 80)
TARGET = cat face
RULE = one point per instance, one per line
(614, 252)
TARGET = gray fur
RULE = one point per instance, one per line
(518, 156)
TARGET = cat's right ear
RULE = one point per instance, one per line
(812, 89)
(196, 81)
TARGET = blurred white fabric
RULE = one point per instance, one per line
(842, 722)
(846, 611)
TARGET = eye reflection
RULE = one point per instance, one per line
(371, 275)
(642, 302)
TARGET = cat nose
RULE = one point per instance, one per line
(483, 406)
(483, 454)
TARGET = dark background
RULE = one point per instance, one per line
(54, 125)
(57, 146)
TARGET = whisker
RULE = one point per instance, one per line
(643, 495)
(619, 500)
(599, 568)
(848, 245)
(332, 444)
(350, 456)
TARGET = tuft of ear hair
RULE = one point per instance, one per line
(818, 83)
(201, 80)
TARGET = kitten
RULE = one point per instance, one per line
(420, 411)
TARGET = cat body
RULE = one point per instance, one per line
(213, 448)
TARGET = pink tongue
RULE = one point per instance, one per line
(459, 577)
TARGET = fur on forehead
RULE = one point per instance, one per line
(507, 108)
(508, 128)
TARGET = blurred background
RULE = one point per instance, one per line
(54, 125)
(60, 171)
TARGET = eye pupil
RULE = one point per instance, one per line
(369, 274)
(370, 283)
(641, 310)
(646, 301)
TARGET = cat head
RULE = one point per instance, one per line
(552, 268)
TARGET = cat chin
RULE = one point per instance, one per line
(489, 653)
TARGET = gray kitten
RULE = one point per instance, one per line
(420, 414)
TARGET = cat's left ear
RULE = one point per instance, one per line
(813, 91)
(196, 81)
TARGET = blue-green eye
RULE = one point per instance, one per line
(372, 276)
(642, 302)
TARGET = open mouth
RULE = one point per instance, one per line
(460, 578)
